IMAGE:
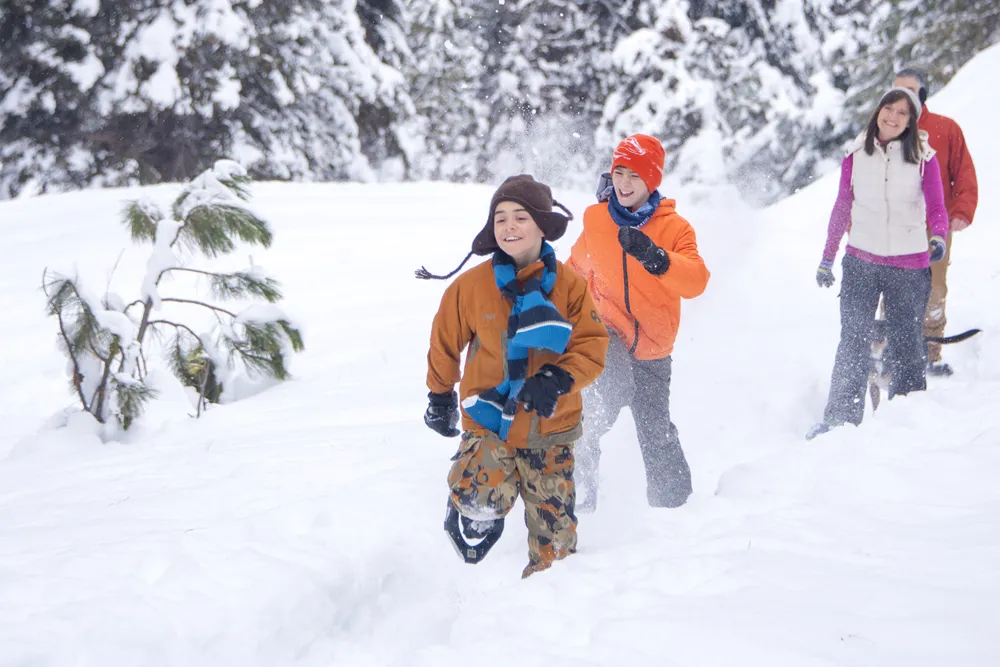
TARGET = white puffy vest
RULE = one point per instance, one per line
(889, 215)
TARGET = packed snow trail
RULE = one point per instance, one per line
(302, 525)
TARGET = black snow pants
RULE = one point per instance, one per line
(644, 387)
(905, 293)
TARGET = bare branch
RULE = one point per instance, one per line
(104, 380)
(247, 355)
(177, 325)
(177, 235)
(147, 306)
(206, 372)
(200, 303)
(77, 375)
(94, 351)
(184, 268)
(111, 273)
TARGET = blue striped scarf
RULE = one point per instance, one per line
(533, 323)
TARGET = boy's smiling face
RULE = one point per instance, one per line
(631, 190)
(516, 233)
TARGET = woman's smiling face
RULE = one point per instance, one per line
(893, 120)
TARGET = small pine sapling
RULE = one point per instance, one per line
(107, 341)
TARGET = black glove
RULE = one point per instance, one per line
(442, 413)
(652, 257)
(542, 390)
(604, 187)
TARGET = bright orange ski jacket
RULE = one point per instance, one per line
(643, 310)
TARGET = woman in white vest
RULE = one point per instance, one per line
(890, 192)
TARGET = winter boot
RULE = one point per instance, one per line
(586, 504)
(668, 475)
(939, 369)
(818, 429)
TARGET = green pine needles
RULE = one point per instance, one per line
(108, 342)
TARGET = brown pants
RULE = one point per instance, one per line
(935, 319)
(487, 476)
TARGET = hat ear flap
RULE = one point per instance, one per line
(569, 214)
(922, 95)
(552, 223)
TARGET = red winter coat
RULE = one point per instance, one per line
(958, 174)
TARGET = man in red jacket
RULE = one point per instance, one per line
(961, 194)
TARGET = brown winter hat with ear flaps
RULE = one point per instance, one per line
(536, 198)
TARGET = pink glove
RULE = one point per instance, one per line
(957, 224)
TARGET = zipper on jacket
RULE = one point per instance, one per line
(885, 190)
(628, 304)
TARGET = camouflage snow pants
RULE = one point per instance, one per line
(488, 475)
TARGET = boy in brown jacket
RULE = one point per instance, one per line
(534, 341)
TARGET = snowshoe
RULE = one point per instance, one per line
(490, 531)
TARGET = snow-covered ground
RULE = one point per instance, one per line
(302, 525)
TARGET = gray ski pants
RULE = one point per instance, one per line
(644, 387)
(905, 293)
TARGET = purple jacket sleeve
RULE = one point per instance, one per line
(937, 214)
(840, 218)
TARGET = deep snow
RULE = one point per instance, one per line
(302, 525)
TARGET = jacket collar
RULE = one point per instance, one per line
(926, 151)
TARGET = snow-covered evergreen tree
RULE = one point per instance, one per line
(118, 92)
(737, 91)
(546, 74)
(443, 77)
(382, 119)
(763, 92)
(937, 36)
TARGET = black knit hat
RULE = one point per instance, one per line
(535, 197)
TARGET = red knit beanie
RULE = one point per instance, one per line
(644, 155)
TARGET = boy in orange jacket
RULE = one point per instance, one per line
(640, 258)
(534, 341)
